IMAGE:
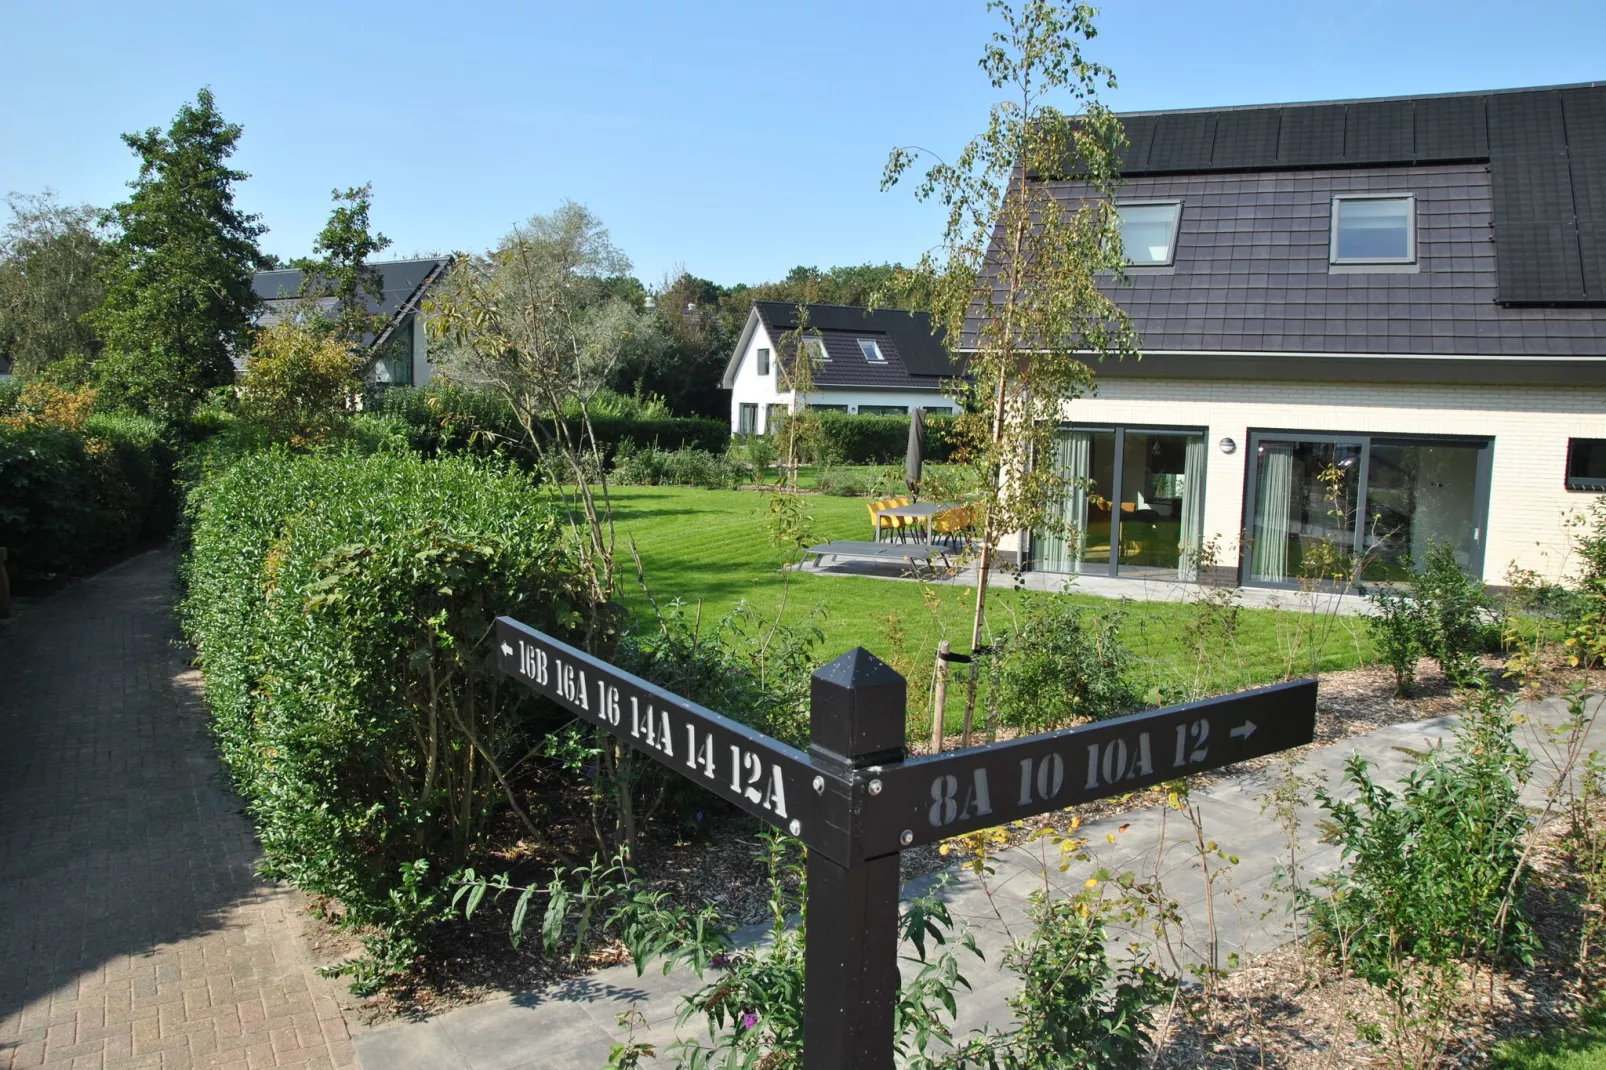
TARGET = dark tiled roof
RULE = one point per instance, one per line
(1252, 273)
(401, 282)
(916, 358)
(1546, 149)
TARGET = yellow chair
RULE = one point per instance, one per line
(952, 523)
(879, 522)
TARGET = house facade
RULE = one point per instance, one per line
(1378, 325)
(863, 361)
(400, 352)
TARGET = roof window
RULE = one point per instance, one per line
(817, 351)
(1374, 229)
(871, 350)
(1149, 232)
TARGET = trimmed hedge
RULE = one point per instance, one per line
(451, 419)
(74, 501)
(848, 439)
(341, 608)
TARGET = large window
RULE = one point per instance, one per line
(1329, 509)
(1134, 503)
(746, 419)
(1586, 464)
(1374, 230)
(1149, 232)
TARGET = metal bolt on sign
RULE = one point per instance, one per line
(855, 801)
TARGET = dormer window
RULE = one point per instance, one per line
(1149, 232)
(871, 350)
(1371, 229)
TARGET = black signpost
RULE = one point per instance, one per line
(856, 803)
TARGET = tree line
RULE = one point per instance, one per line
(151, 301)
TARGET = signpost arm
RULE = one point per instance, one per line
(856, 722)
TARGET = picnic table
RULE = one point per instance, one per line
(919, 511)
(919, 556)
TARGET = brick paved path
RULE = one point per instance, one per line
(133, 932)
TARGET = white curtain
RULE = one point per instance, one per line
(1273, 499)
(1192, 509)
(1056, 553)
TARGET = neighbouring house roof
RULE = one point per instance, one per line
(916, 358)
(1510, 190)
(403, 284)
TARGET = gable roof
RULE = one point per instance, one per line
(916, 358)
(402, 286)
(1545, 149)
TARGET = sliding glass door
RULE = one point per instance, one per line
(1134, 503)
(1323, 508)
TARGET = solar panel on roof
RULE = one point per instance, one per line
(1451, 128)
(1526, 122)
(1537, 263)
(1380, 131)
(1182, 141)
(1246, 139)
(1589, 184)
(1592, 243)
(1311, 137)
(1584, 112)
(1139, 130)
(1530, 187)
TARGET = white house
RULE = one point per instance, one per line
(866, 361)
(400, 352)
(1378, 324)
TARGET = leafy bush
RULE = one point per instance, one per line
(847, 439)
(297, 384)
(1397, 624)
(341, 607)
(1586, 626)
(681, 468)
(1061, 665)
(1446, 614)
(1435, 871)
(450, 418)
(71, 501)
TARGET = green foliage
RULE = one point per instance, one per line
(1586, 628)
(1435, 871)
(681, 468)
(848, 439)
(338, 270)
(450, 418)
(341, 609)
(1075, 1009)
(297, 384)
(49, 256)
(1445, 613)
(1577, 1045)
(1397, 624)
(178, 278)
(72, 501)
(1060, 665)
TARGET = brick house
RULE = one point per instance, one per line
(1380, 322)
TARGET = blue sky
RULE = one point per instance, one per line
(732, 139)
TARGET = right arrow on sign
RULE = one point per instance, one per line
(1243, 731)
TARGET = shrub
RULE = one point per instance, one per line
(297, 384)
(341, 608)
(71, 501)
(1061, 665)
(848, 439)
(1435, 871)
(1586, 624)
(1446, 614)
(681, 468)
(1397, 626)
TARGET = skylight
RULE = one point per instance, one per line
(817, 350)
(871, 351)
(1374, 230)
(1149, 232)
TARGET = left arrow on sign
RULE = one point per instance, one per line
(507, 651)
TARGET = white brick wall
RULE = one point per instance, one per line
(1530, 426)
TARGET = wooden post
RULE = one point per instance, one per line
(939, 700)
(850, 975)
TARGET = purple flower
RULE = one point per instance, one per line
(749, 1019)
(720, 961)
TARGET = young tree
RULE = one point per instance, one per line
(1015, 282)
(297, 383)
(338, 270)
(179, 300)
(49, 254)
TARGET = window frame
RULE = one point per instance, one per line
(762, 358)
(1353, 261)
(747, 418)
(813, 340)
(1581, 484)
(879, 358)
(1171, 242)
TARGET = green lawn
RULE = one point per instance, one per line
(1582, 1047)
(713, 547)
